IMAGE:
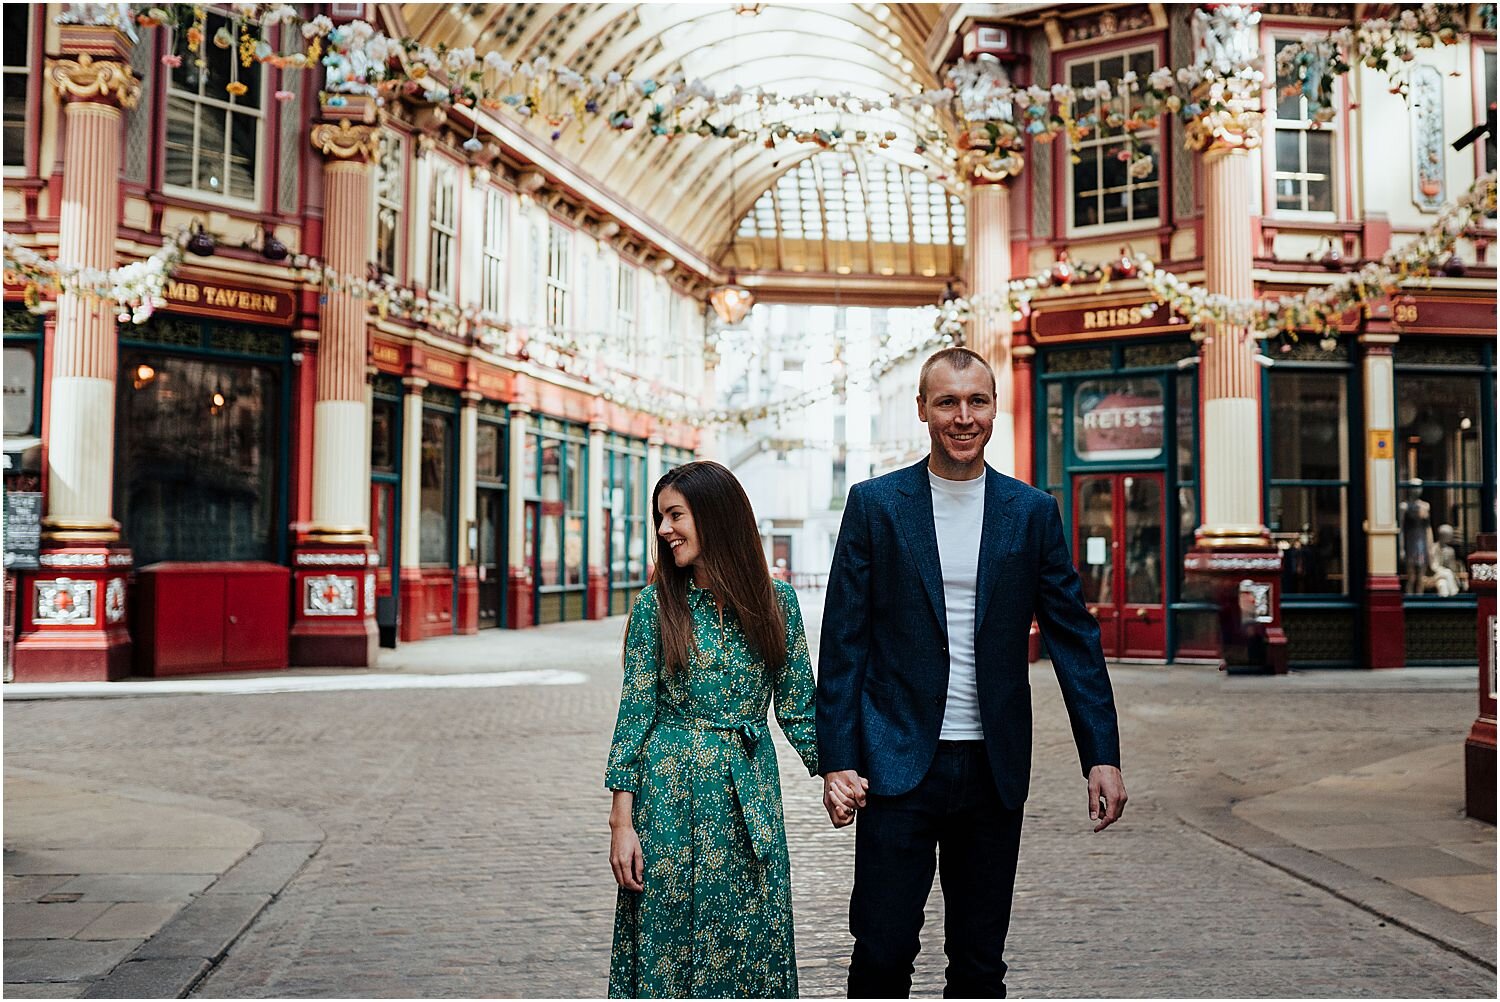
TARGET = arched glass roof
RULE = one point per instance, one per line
(697, 187)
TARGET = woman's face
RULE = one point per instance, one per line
(676, 528)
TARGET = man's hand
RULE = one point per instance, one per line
(843, 794)
(1106, 784)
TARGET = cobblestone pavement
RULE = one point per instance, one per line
(466, 839)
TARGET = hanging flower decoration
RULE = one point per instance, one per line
(1309, 67)
(1321, 310)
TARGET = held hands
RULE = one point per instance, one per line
(843, 794)
(1107, 785)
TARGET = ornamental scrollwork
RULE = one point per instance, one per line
(346, 141)
(87, 78)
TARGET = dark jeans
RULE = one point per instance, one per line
(952, 821)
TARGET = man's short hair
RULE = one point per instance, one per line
(958, 357)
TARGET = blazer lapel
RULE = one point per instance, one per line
(994, 541)
(919, 532)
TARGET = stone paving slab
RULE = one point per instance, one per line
(103, 861)
(130, 920)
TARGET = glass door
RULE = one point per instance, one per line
(492, 545)
(1117, 547)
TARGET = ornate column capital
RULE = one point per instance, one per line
(343, 141)
(101, 81)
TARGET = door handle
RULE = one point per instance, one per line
(1140, 614)
(233, 620)
(1094, 611)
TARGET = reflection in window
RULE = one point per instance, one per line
(17, 68)
(20, 389)
(1303, 152)
(1309, 480)
(1054, 434)
(1440, 436)
(1115, 420)
(436, 530)
(213, 133)
(390, 198)
(383, 448)
(197, 458)
(1105, 188)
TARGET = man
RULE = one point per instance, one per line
(924, 706)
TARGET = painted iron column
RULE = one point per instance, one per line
(990, 329)
(1384, 613)
(72, 610)
(333, 574)
(1233, 562)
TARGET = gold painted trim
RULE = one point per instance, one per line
(81, 536)
(340, 534)
(84, 524)
(86, 78)
(1239, 537)
(345, 141)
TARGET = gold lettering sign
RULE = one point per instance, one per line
(1076, 324)
(1103, 319)
(230, 302)
(438, 367)
(389, 354)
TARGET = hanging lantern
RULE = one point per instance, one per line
(731, 302)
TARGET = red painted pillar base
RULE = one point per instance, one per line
(1479, 748)
(520, 598)
(333, 605)
(413, 598)
(71, 615)
(1385, 623)
(1246, 586)
(468, 600)
(598, 595)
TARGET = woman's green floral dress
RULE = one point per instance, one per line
(715, 918)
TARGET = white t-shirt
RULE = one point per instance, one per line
(958, 515)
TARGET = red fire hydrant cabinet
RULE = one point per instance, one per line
(207, 617)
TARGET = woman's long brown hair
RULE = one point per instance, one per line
(730, 562)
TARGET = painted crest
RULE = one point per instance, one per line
(329, 595)
(114, 600)
(63, 601)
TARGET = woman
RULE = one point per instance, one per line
(697, 841)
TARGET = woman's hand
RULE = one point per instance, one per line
(625, 857)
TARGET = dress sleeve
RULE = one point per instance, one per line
(794, 687)
(637, 695)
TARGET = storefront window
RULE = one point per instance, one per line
(436, 531)
(197, 458)
(561, 528)
(1118, 420)
(20, 390)
(1309, 468)
(1054, 434)
(490, 458)
(1440, 437)
(384, 450)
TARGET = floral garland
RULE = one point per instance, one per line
(138, 288)
(1321, 309)
(1309, 67)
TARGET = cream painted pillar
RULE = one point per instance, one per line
(522, 481)
(1384, 609)
(598, 575)
(1229, 375)
(653, 474)
(411, 472)
(990, 330)
(341, 415)
(468, 474)
(81, 412)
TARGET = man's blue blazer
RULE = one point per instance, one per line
(883, 659)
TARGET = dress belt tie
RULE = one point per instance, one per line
(755, 806)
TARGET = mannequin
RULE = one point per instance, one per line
(1416, 541)
(1449, 571)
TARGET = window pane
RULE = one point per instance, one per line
(242, 156)
(1289, 150)
(550, 571)
(250, 77)
(551, 470)
(1308, 524)
(1187, 523)
(1145, 202)
(17, 33)
(383, 448)
(220, 69)
(1143, 540)
(1085, 184)
(577, 485)
(1440, 428)
(196, 479)
(1095, 514)
(180, 118)
(1054, 435)
(212, 123)
(20, 389)
(573, 550)
(436, 528)
(1308, 428)
(1437, 532)
(1320, 171)
(1118, 419)
(489, 464)
(1187, 429)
